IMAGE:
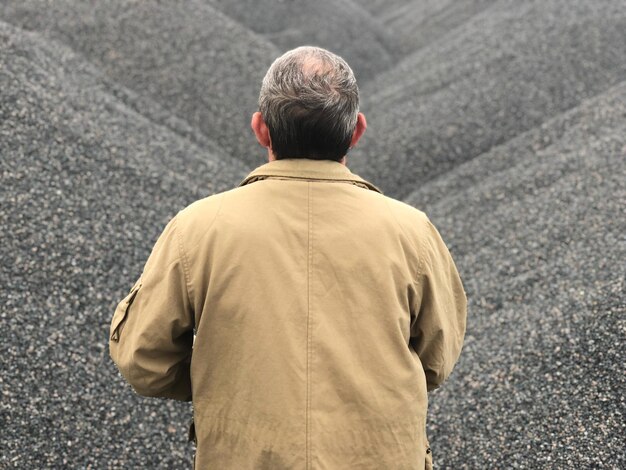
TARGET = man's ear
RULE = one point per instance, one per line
(359, 130)
(261, 131)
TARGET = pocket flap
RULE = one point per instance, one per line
(429, 457)
(119, 317)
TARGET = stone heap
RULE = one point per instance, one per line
(504, 121)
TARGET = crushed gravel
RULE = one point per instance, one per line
(504, 121)
(193, 60)
(500, 73)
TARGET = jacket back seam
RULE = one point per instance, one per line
(308, 331)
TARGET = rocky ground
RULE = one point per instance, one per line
(504, 121)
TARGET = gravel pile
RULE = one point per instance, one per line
(505, 121)
(343, 27)
(200, 65)
(421, 22)
(502, 72)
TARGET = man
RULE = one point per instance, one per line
(323, 311)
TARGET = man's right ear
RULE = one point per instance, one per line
(261, 131)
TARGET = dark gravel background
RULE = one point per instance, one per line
(199, 64)
(366, 43)
(505, 121)
(502, 72)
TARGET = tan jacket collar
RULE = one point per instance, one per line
(304, 168)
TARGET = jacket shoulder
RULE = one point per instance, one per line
(416, 226)
(202, 207)
(198, 217)
(410, 218)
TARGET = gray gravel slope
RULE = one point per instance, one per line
(86, 185)
(504, 71)
(538, 230)
(193, 60)
(418, 23)
(342, 26)
(382, 8)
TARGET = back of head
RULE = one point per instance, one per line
(309, 101)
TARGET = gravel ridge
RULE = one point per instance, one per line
(502, 72)
(326, 23)
(189, 57)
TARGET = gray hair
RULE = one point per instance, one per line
(309, 100)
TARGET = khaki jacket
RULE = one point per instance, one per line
(323, 312)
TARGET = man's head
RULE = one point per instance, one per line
(309, 106)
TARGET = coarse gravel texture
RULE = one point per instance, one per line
(418, 23)
(184, 54)
(504, 121)
(330, 24)
(504, 71)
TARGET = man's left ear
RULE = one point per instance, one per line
(359, 130)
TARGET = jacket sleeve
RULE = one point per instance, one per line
(151, 334)
(439, 310)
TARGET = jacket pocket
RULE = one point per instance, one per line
(121, 312)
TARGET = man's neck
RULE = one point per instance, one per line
(271, 158)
